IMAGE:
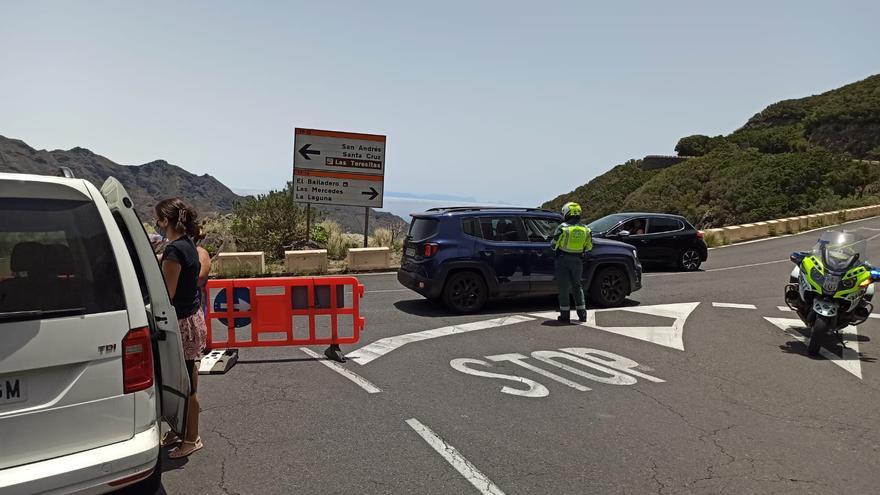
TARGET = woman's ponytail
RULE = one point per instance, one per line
(180, 215)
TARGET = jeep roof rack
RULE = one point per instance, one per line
(451, 209)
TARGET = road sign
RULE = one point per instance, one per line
(241, 301)
(338, 168)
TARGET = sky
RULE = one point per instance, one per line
(490, 101)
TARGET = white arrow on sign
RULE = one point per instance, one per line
(239, 306)
(850, 360)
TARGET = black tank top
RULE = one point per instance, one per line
(187, 296)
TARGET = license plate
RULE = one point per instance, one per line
(411, 252)
(12, 390)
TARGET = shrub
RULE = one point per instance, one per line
(270, 223)
(713, 239)
(218, 235)
(697, 145)
(385, 238)
(338, 243)
(320, 234)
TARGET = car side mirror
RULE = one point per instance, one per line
(623, 233)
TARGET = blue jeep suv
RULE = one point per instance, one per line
(468, 255)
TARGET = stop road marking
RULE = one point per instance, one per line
(613, 369)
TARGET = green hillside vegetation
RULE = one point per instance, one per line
(606, 193)
(795, 157)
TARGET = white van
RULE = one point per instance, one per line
(90, 351)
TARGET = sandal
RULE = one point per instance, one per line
(170, 438)
(186, 449)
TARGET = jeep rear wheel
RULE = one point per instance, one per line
(609, 287)
(465, 292)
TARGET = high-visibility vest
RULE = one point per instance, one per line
(575, 239)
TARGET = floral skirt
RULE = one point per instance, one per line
(193, 332)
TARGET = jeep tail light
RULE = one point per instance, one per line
(137, 361)
(429, 250)
(699, 234)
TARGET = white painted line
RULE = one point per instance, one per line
(733, 305)
(381, 347)
(724, 269)
(784, 309)
(874, 315)
(751, 265)
(357, 379)
(455, 459)
(850, 360)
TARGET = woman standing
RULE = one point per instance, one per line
(204, 272)
(181, 267)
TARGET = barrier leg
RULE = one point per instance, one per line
(334, 353)
(218, 361)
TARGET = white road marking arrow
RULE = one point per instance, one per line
(667, 336)
(850, 360)
(381, 347)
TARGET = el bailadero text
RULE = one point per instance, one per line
(319, 186)
(364, 152)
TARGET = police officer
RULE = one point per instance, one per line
(570, 242)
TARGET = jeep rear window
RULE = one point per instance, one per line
(55, 260)
(422, 229)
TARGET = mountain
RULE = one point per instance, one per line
(147, 184)
(351, 218)
(795, 157)
(151, 182)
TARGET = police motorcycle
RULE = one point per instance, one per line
(832, 286)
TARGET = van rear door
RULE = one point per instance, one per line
(172, 374)
(64, 294)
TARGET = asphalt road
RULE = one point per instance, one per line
(704, 398)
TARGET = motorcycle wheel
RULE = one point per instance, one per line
(820, 329)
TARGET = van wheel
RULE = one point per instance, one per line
(609, 287)
(465, 292)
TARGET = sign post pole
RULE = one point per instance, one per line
(366, 226)
(308, 224)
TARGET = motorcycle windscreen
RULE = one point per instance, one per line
(840, 250)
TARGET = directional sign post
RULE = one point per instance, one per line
(338, 168)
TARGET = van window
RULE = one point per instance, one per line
(55, 260)
(422, 229)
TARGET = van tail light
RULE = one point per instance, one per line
(429, 250)
(137, 361)
(699, 234)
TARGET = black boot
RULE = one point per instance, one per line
(564, 317)
(334, 353)
(582, 315)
